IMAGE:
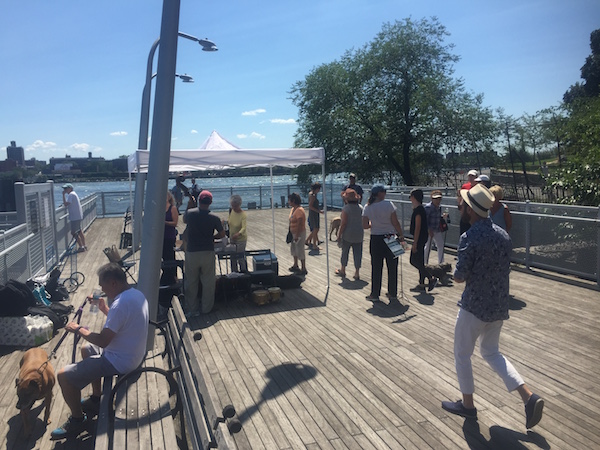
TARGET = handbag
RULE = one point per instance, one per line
(443, 225)
(289, 238)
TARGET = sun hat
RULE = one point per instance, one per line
(350, 195)
(472, 172)
(376, 189)
(479, 198)
(352, 175)
(436, 194)
(67, 186)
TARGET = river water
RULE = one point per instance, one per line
(252, 189)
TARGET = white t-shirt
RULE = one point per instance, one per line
(380, 215)
(74, 206)
(128, 318)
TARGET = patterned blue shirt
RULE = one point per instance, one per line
(433, 217)
(484, 263)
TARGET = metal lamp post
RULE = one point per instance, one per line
(207, 46)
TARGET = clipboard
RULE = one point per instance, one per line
(394, 245)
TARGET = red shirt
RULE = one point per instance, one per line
(467, 185)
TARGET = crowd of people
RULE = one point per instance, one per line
(483, 264)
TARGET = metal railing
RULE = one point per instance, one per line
(560, 238)
(37, 243)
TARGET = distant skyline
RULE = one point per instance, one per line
(73, 72)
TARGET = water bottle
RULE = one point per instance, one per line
(447, 213)
(94, 306)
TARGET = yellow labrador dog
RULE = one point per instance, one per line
(334, 226)
(36, 380)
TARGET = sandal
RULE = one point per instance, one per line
(294, 269)
(339, 273)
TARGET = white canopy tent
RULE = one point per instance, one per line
(217, 153)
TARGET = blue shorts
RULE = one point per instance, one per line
(75, 226)
(92, 367)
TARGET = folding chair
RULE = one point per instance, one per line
(114, 256)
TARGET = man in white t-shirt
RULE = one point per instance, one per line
(118, 349)
(71, 201)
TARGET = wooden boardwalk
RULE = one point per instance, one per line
(324, 368)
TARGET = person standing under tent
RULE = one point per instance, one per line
(297, 226)
(200, 255)
(238, 232)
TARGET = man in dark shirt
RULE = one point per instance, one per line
(484, 264)
(352, 185)
(200, 255)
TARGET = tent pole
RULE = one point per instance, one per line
(324, 184)
(272, 208)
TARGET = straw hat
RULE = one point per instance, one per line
(479, 198)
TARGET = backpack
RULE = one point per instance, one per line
(15, 299)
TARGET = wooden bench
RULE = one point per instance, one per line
(205, 426)
(136, 409)
(179, 390)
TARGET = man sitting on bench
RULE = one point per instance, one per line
(118, 349)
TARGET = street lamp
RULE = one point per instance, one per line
(207, 46)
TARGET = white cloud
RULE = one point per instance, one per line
(194, 131)
(242, 136)
(85, 148)
(254, 112)
(255, 135)
(283, 121)
(119, 133)
(42, 146)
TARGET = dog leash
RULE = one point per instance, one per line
(77, 317)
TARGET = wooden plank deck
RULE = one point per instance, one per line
(324, 368)
(144, 401)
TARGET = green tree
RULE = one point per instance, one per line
(590, 73)
(389, 104)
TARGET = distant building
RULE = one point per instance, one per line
(14, 153)
(69, 165)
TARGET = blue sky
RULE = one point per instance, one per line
(73, 71)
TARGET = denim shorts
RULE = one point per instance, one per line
(93, 367)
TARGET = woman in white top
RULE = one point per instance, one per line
(380, 216)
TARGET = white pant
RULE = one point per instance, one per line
(438, 237)
(466, 332)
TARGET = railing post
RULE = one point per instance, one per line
(103, 206)
(527, 234)
(260, 197)
(598, 248)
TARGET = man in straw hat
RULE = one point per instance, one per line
(484, 264)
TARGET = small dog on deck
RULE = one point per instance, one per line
(334, 226)
(441, 272)
(36, 380)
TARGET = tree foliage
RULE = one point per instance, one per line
(590, 73)
(392, 105)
